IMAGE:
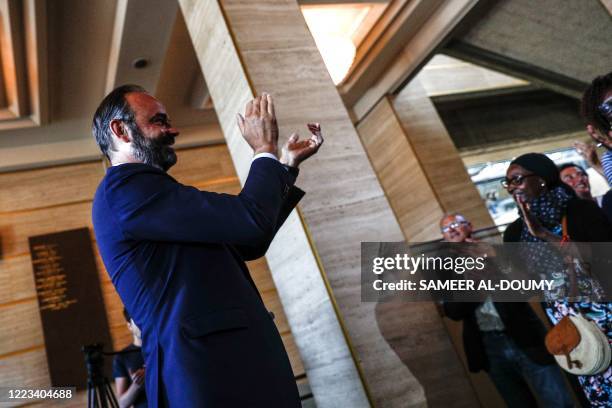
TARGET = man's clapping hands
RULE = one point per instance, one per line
(296, 151)
(260, 129)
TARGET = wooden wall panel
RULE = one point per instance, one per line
(48, 187)
(273, 304)
(21, 327)
(261, 275)
(293, 353)
(16, 279)
(27, 369)
(16, 227)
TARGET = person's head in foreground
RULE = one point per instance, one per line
(135, 330)
(455, 228)
(596, 109)
(131, 126)
(577, 178)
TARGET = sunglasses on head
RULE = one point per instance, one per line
(605, 110)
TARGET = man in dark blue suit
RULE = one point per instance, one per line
(176, 255)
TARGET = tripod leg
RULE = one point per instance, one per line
(102, 395)
(89, 394)
(111, 395)
(92, 398)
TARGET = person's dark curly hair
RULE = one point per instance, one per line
(568, 165)
(591, 99)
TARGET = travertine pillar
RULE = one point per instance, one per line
(424, 177)
(418, 165)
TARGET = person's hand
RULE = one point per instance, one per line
(533, 224)
(258, 126)
(296, 151)
(588, 151)
(598, 137)
(138, 377)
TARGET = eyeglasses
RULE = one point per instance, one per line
(516, 180)
(453, 225)
(606, 108)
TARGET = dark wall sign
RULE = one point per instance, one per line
(70, 302)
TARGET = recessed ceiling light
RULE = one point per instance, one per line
(139, 63)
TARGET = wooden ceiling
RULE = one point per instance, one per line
(23, 78)
(60, 57)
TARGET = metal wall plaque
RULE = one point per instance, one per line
(70, 303)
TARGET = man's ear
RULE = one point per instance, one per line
(119, 130)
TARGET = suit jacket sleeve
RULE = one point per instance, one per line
(248, 252)
(151, 205)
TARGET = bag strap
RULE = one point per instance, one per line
(564, 234)
(570, 363)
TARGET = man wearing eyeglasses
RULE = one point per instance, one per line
(455, 228)
(596, 109)
(506, 340)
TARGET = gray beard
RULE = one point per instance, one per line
(154, 152)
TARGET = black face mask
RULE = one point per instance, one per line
(155, 152)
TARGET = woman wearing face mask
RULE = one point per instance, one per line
(544, 203)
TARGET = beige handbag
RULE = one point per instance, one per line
(579, 346)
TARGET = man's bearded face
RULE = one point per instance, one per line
(156, 151)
